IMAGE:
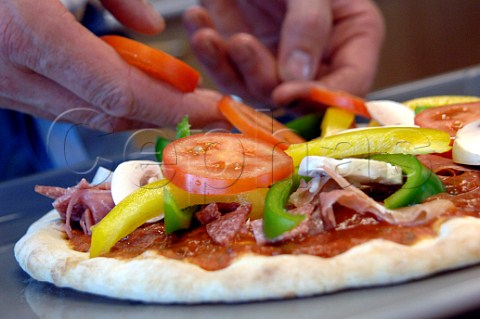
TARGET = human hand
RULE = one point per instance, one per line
(275, 51)
(51, 66)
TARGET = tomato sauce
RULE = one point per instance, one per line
(195, 245)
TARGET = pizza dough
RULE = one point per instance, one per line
(44, 253)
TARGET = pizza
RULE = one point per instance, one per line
(227, 217)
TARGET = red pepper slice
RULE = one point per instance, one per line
(339, 99)
(257, 125)
(156, 63)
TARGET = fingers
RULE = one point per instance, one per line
(226, 16)
(201, 107)
(256, 65)
(196, 18)
(211, 50)
(289, 92)
(352, 55)
(75, 69)
(137, 15)
(305, 34)
(232, 63)
(42, 97)
(357, 42)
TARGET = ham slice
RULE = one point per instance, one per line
(83, 203)
(351, 197)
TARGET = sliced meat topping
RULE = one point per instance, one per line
(223, 229)
(84, 203)
(208, 214)
(442, 166)
(351, 197)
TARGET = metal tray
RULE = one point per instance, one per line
(448, 294)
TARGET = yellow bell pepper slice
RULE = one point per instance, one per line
(373, 140)
(148, 202)
(140, 206)
(439, 100)
(336, 120)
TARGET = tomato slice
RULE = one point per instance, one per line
(257, 125)
(449, 118)
(223, 163)
(157, 64)
(339, 99)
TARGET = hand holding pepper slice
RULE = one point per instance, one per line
(276, 219)
(421, 182)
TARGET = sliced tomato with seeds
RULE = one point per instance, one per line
(156, 63)
(256, 124)
(449, 118)
(224, 163)
(339, 99)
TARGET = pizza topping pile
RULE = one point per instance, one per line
(225, 194)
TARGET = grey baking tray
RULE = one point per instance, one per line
(444, 295)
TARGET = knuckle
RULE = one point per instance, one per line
(114, 98)
(12, 41)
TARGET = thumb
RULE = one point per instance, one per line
(202, 109)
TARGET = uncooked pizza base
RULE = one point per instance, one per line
(46, 256)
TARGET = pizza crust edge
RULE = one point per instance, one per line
(45, 255)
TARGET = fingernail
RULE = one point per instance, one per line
(299, 66)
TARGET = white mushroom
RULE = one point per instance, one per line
(131, 175)
(355, 170)
(388, 112)
(466, 148)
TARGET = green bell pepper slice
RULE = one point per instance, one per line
(160, 145)
(420, 184)
(182, 130)
(176, 218)
(307, 126)
(276, 219)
